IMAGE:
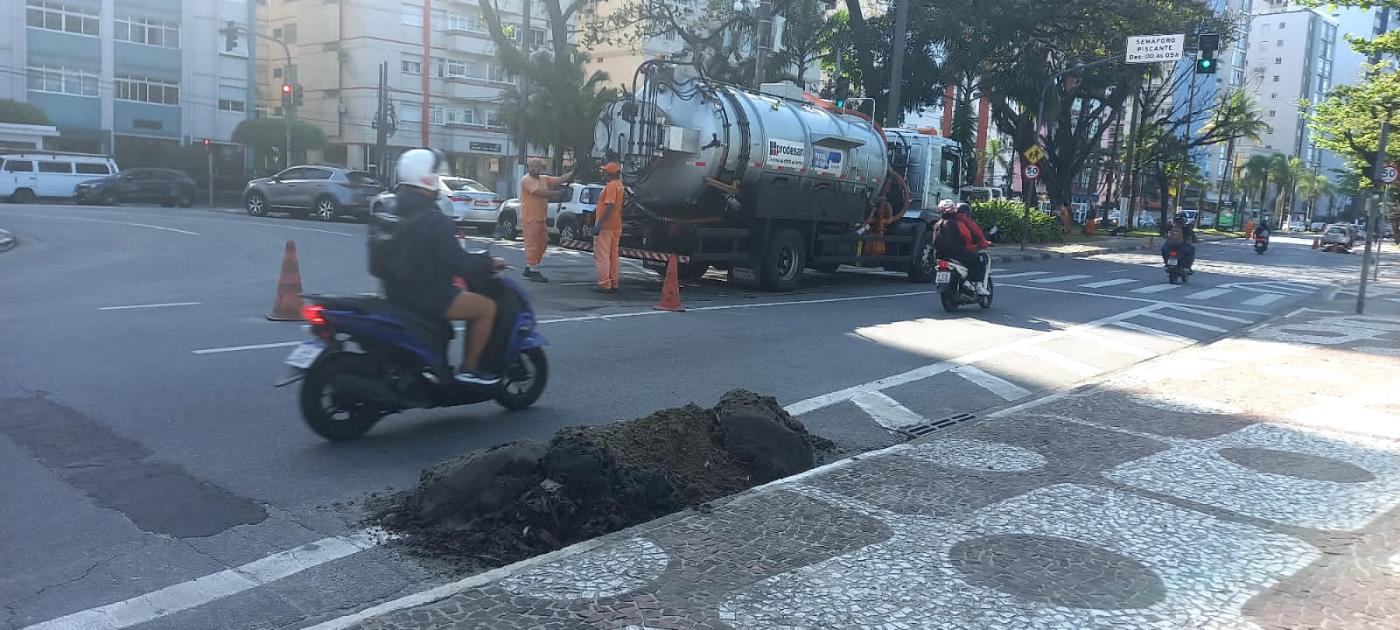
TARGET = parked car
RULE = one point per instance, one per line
(165, 186)
(566, 212)
(1339, 234)
(25, 177)
(1317, 226)
(325, 192)
(467, 202)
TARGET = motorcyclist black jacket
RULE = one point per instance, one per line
(428, 257)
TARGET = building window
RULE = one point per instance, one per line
(1282, 25)
(435, 115)
(493, 119)
(439, 67)
(151, 32)
(1276, 78)
(1279, 43)
(411, 15)
(230, 105)
(410, 112)
(410, 66)
(1274, 96)
(54, 15)
(289, 33)
(143, 90)
(1278, 60)
(1272, 113)
(276, 73)
(63, 80)
(456, 68)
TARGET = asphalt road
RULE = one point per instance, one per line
(144, 448)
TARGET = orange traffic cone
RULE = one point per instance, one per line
(288, 305)
(671, 290)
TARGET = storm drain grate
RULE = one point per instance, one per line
(925, 428)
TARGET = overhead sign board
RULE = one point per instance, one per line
(1156, 48)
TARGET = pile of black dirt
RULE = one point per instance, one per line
(496, 506)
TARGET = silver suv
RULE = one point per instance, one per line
(324, 192)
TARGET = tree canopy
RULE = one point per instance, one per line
(12, 111)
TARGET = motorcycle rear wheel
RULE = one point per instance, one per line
(334, 415)
(524, 380)
(950, 301)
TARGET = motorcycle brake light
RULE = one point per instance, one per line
(1173, 252)
(942, 265)
(314, 314)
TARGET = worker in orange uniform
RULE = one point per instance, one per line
(535, 192)
(607, 229)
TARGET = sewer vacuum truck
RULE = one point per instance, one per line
(766, 185)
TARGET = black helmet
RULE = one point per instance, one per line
(963, 208)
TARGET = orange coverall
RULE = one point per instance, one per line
(535, 193)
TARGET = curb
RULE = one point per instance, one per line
(1052, 255)
(8, 241)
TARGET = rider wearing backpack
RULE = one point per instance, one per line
(1182, 238)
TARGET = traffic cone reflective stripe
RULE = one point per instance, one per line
(671, 290)
(287, 308)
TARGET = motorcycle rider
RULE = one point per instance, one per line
(965, 216)
(954, 241)
(426, 257)
(1182, 238)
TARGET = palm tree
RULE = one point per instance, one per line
(1311, 186)
(1287, 172)
(1257, 171)
(992, 155)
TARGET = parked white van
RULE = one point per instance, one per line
(27, 176)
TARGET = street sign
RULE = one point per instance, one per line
(1034, 154)
(1032, 172)
(1389, 174)
(1156, 48)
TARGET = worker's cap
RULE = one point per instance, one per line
(611, 168)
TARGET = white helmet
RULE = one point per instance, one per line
(423, 168)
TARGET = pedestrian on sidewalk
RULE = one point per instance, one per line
(607, 229)
(536, 190)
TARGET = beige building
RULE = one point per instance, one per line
(337, 49)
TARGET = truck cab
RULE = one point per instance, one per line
(931, 165)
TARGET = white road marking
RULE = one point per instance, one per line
(1129, 298)
(1185, 322)
(886, 411)
(1227, 318)
(1113, 342)
(1108, 283)
(612, 316)
(258, 346)
(1006, 389)
(126, 223)
(1060, 279)
(1023, 274)
(1207, 294)
(1153, 332)
(133, 306)
(1263, 299)
(1059, 361)
(215, 586)
(1157, 288)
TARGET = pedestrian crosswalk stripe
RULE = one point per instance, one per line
(1058, 360)
(1157, 288)
(1023, 274)
(1060, 279)
(1006, 389)
(1228, 318)
(1263, 299)
(1108, 283)
(1112, 342)
(1185, 322)
(886, 411)
(1153, 332)
(1207, 294)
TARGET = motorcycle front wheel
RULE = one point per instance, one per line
(332, 413)
(524, 380)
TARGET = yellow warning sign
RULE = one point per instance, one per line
(1034, 154)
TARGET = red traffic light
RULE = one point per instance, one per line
(287, 88)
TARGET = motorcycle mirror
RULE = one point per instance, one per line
(993, 231)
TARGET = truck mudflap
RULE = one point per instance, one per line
(628, 252)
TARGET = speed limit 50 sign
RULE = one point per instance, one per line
(1389, 174)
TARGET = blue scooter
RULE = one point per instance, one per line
(371, 359)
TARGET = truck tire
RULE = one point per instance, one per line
(784, 261)
(922, 268)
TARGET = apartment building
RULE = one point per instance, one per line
(1291, 57)
(336, 50)
(129, 78)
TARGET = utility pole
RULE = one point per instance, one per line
(381, 123)
(1186, 148)
(1382, 27)
(1371, 214)
(763, 29)
(1130, 176)
(427, 63)
(527, 45)
(901, 26)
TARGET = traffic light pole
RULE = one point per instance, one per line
(1371, 215)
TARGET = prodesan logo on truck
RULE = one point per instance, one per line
(787, 154)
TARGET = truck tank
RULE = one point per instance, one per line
(699, 151)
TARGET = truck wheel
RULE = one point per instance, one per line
(921, 269)
(784, 261)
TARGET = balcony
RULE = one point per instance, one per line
(473, 89)
(468, 41)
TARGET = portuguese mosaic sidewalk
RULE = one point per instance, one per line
(1251, 483)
